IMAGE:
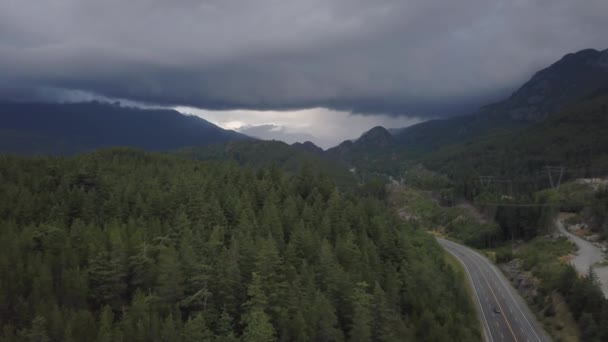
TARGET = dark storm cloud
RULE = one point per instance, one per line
(416, 57)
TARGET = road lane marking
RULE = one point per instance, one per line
(500, 307)
(502, 283)
(516, 303)
(489, 332)
(481, 271)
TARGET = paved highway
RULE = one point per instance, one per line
(503, 314)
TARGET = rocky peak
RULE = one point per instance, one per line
(309, 147)
(376, 137)
(564, 82)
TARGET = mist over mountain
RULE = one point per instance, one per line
(275, 132)
(574, 137)
(42, 128)
(303, 170)
(571, 79)
(568, 80)
(564, 82)
(376, 139)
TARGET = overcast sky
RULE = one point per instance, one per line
(291, 62)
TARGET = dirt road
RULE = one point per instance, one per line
(587, 255)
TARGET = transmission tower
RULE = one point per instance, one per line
(555, 170)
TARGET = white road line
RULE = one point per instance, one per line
(516, 303)
(489, 332)
(501, 281)
(504, 316)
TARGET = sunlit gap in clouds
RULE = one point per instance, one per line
(324, 127)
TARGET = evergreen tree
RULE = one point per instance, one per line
(106, 320)
(38, 331)
(107, 279)
(325, 326)
(225, 332)
(169, 331)
(124, 245)
(589, 329)
(196, 330)
(362, 318)
(169, 283)
(258, 327)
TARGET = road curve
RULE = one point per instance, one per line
(502, 312)
(588, 255)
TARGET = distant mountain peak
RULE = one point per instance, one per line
(566, 81)
(308, 146)
(572, 78)
(376, 137)
(590, 57)
(375, 140)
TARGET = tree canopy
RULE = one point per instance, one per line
(123, 245)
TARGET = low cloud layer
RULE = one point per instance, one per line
(414, 57)
(325, 127)
(274, 132)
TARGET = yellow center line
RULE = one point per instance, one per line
(497, 302)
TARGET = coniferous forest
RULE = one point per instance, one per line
(123, 245)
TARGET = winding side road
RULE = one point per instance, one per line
(503, 314)
(587, 256)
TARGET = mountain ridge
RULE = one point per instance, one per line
(308, 146)
(573, 78)
(55, 128)
(564, 82)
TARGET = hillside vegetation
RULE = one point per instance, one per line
(567, 81)
(575, 138)
(558, 117)
(271, 154)
(122, 245)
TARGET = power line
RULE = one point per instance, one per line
(550, 171)
(552, 177)
(533, 204)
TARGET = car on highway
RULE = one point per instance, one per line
(496, 309)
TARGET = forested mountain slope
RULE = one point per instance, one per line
(575, 138)
(374, 152)
(52, 128)
(122, 245)
(563, 83)
(374, 140)
(267, 154)
(309, 147)
(573, 78)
